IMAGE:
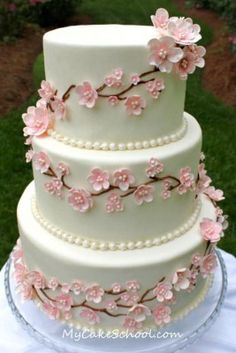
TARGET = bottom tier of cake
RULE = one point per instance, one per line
(132, 289)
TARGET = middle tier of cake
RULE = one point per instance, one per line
(119, 199)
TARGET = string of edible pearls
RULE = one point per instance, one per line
(103, 245)
(113, 146)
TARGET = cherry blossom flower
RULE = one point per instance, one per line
(65, 287)
(135, 79)
(154, 167)
(36, 121)
(114, 203)
(161, 314)
(113, 100)
(193, 279)
(186, 179)
(115, 78)
(181, 279)
(111, 305)
(42, 103)
(186, 65)
(208, 265)
(77, 287)
(29, 155)
(17, 254)
(211, 230)
(223, 220)
(26, 291)
(139, 312)
(134, 105)
(41, 162)
(164, 53)
(196, 260)
(130, 298)
(215, 195)
(166, 192)
(131, 324)
(183, 31)
(132, 285)
(46, 91)
(37, 279)
(53, 283)
(80, 199)
(123, 178)
(51, 310)
(161, 19)
(144, 193)
(21, 273)
(63, 169)
(163, 291)
(59, 108)
(154, 87)
(67, 315)
(99, 179)
(94, 293)
(198, 52)
(203, 179)
(90, 315)
(87, 94)
(64, 302)
(116, 287)
(170, 301)
(54, 187)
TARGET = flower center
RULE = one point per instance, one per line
(162, 53)
(184, 63)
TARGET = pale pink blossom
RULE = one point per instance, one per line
(41, 162)
(37, 279)
(164, 53)
(211, 230)
(186, 65)
(87, 94)
(115, 78)
(99, 179)
(130, 298)
(208, 265)
(144, 193)
(36, 121)
(59, 108)
(170, 301)
(181, 279)
(65, 287)
(80, 199)
(54, 187)
(116, 287)
(17, 254)
(64, 302)
(51, 310)
(131, 324)
(90, 315)
(198, 52)
(29, 155)
(63, 169)
(42, 103)
(163, 291)
(67, 315)
(111, 305)
(186, 179)
(46, 91)
(154, 87)
(132, 285)
(161, 19)
(135, 79)
(196, 260)
(214, 194)
(154, 167)
(94, 293)
(77, 287)
(139, 312)
(134, 105)
(53, 283)
(113, 100)
(161, 314)
(193, 279)
(26, 291)
(114, 203)
(183, 31)
(203, 179)
(166, 192)
(123, 178)
(223, 220)
(21, 272)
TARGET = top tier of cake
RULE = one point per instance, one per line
(117, 54)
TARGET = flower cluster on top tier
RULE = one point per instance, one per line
(175, 46)
(126, 300)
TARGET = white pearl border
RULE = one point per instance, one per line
(103, 245)
(113, 146)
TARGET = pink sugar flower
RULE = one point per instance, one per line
(198, 52)
(203, 179)
(53, 283)
(123, 178)
(29, 155)
(51, 310)
(94, 293)
(181, 279)
(161, 314)
(42, 103)
(215, 195)
(139, 312)
(87, 94)
(26, 291)
(66, 315)
(59, 108)
(132, 285)
(135, 79)
(211, 230)
(54, 187)
(46, 91)
(21, 272)
(114, 203)
(99, 179)
(77, 287)
(17, 254)
(36, 121)
(208, 265)
(154, 167)
(163, 291)
(164, 53)
(111, 305)
(196, 260)
(155, 87)
(80, 199)
(37, 279)
(41, 162)
(65, 287)
(161, 19)
(186, 179)
(116, 287)
(130, 298)
(64, 302)
(223, 220)
(90, 315)
(186, 65)
(115, 78)
(63, 169)
(166, 192)
(113, 100)
(131, 324)
(144, 193)
(134, 105)
(183, 31)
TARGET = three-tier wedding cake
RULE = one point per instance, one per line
(119, 226)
